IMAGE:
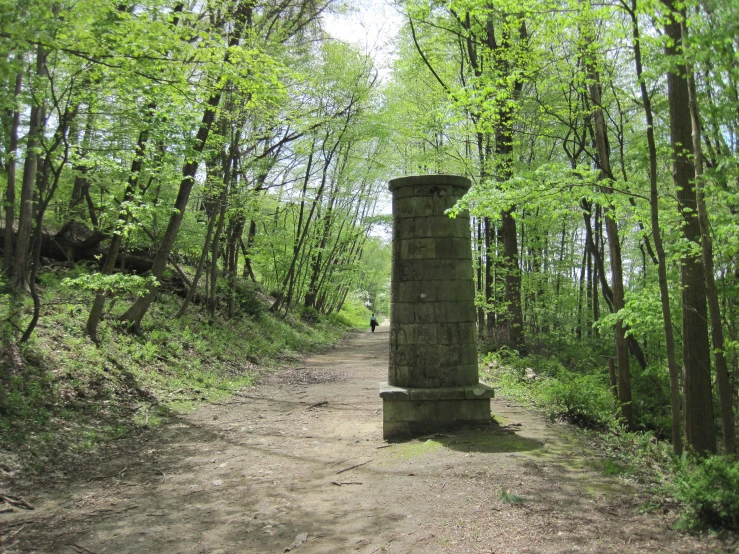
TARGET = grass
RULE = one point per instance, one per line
(510, 498)
(609, 468)
(61, 395)
(416, 448)
(705, 490)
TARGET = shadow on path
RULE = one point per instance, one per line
(302, 465)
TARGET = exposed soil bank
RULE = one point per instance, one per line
(299, 463)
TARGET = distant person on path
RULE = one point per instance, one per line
(373, 322)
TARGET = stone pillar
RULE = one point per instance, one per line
(432, 380)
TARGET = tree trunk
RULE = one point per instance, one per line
(137, 311)
(614, 245)
(98, 304)
(201, 263)
(514, 317)
(504, 135)
(246, 250)
(312, 293)
(480, 281)
(717, 332)
(298, 240)
(489, 281)
(25, 213)
(81, 186)
(677, 440)
(10, 191)
(234, 238)
(48, 182)
(696, 349)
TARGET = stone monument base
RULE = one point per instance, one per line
(412, 411)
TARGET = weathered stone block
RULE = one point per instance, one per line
(425, 333)
(394, 290)
(455, 291)
(450, 355)
(416, 291)
(417, 249)
(462, 230)
(467, 374)
(443, 203)
(428, 357)
(448, 333)
(467, 333)
(395, 393)
(446, 248)
(395, 429)
(402, 334)
(423, 411)
(397, 410)
(403, 207)
(402, 312)
(433, 190)
(401, 375)
(439, 269)
(426, 377)
(422, 227)
(480, 390)
(473, 410)
(425, 312)
(464, 271)
(404, 228)
(467, 312)
(446, 312)
(402, 355)
(423, 206)
(440, 226)
(404, 192)
(403, 270)
(406, 418)
(428, 184)
(453, 248)
(468, 355)
(440, 393)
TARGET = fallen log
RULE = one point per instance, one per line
(75, 243)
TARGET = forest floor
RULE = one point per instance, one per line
(298, 464)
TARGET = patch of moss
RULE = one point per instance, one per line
(414, 449)
(602, 488)
(493, 443)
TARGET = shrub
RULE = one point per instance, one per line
(709, 490)
(310, 315)
(249, 298)
(582, 399)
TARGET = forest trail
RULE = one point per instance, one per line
(298, 464)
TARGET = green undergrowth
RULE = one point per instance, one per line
(510, 498)
(578, 397)
(705, 491)
(62, 395)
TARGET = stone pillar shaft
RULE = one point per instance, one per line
(432, 377)
(433, 330)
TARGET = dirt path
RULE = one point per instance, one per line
(299, 463)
